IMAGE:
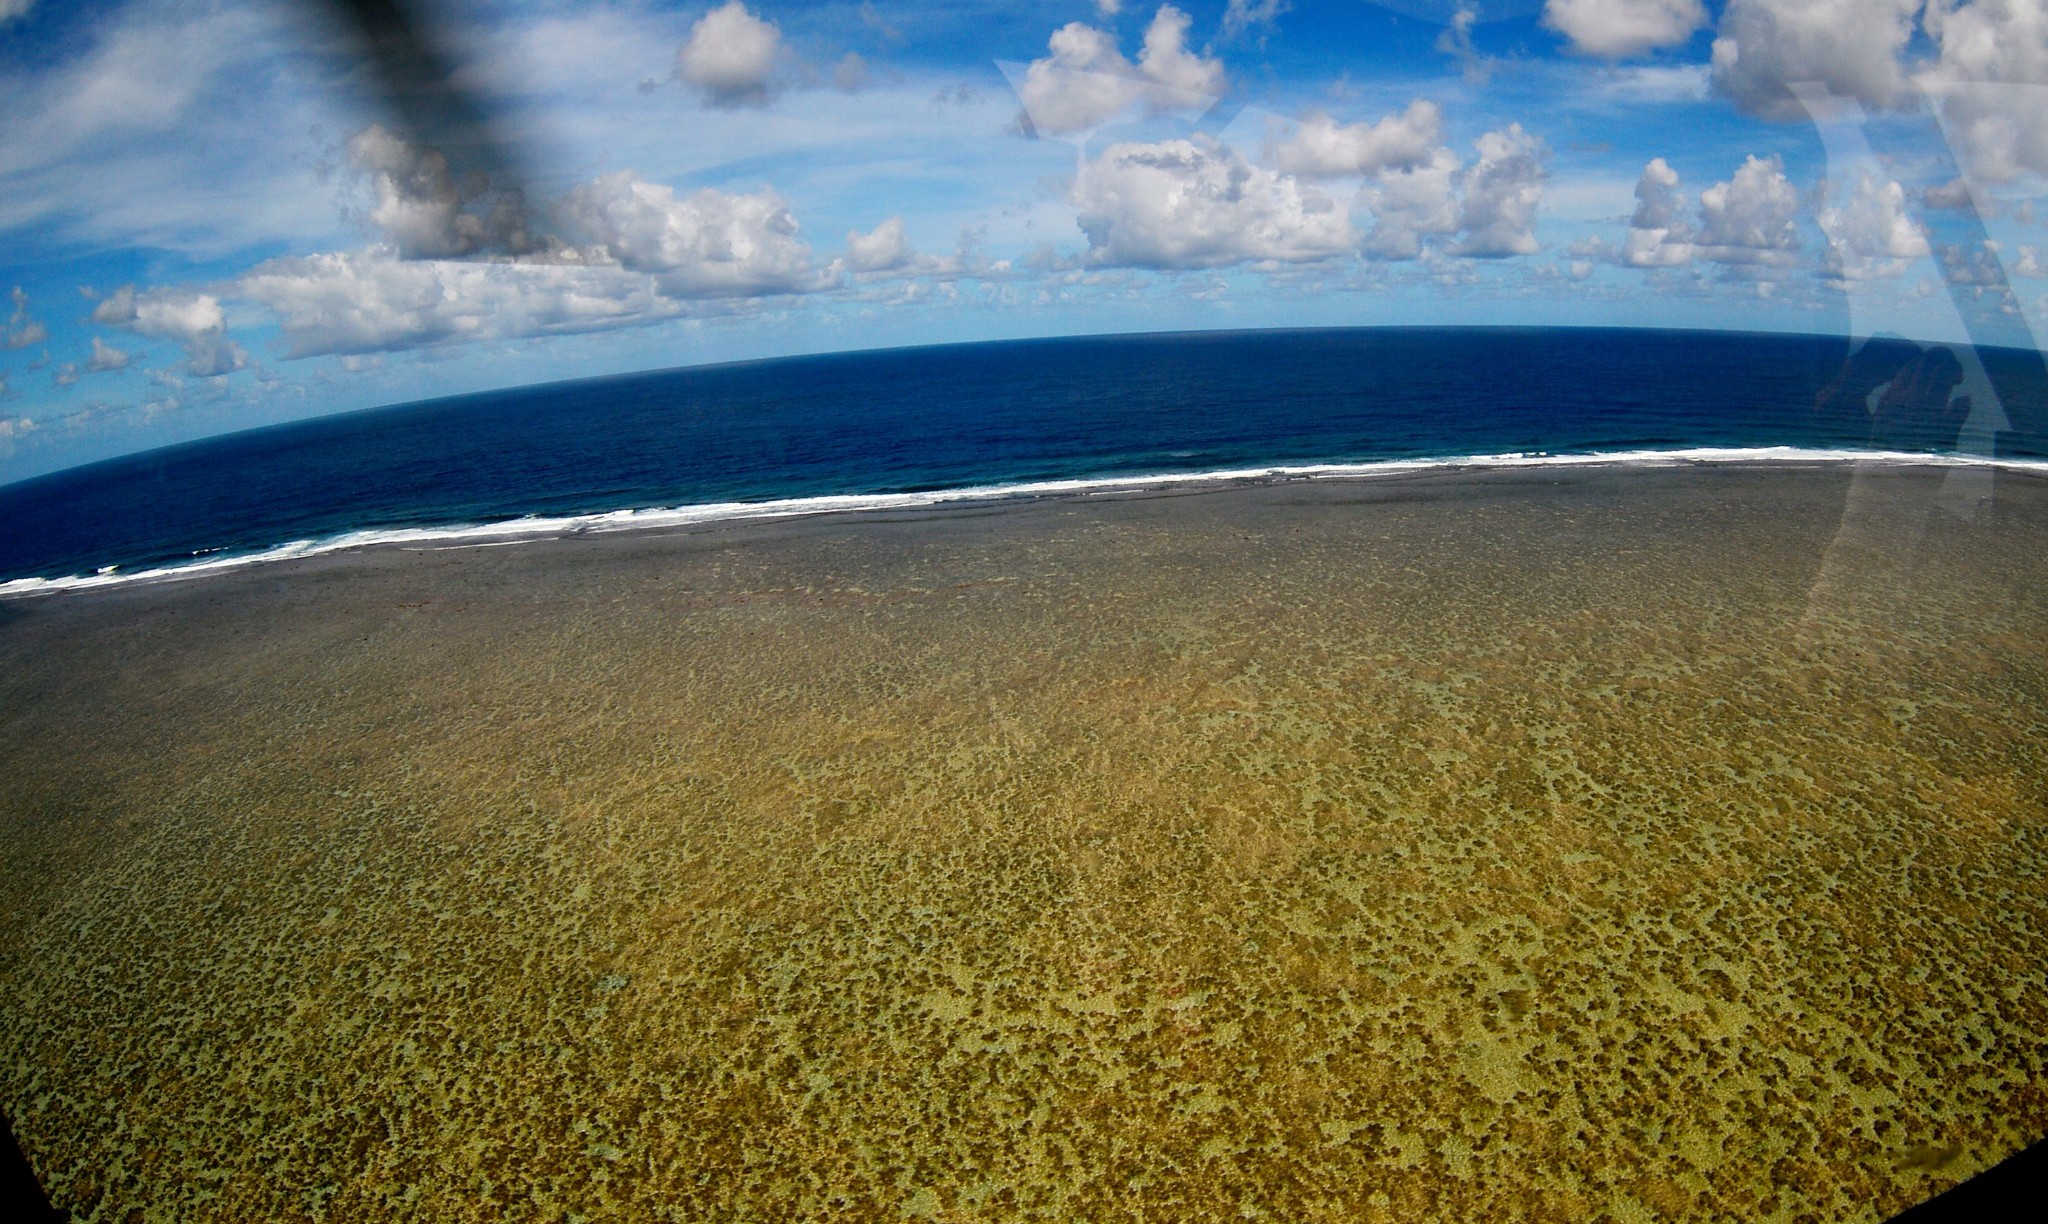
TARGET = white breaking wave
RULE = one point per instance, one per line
(520, 530)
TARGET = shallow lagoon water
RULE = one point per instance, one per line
(1511, 845)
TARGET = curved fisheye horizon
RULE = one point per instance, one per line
(1577, 397)
(614, 188)
(1198, 610)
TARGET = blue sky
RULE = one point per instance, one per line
(208, 222)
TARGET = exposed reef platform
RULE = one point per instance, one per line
(1490, 845)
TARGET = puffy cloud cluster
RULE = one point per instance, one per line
(1992, 79)
(10, 9)
(1197, 203)
(730, 57)
(1658, 234)
(883, 249)
(1989, 71)
(1323, 148)
(374, 301)
(462, 263)
(1490, 207)
(885, 253)
(1086, 81)
(22, 329)
(1850, 47)
(1974, 264)
(1456, 42)
(1614, 29)
(1413, 204)
(428, 211)
(105, 359)
(705, 244)
(172, 313)
(1417, 189)
(650, 255)
(1166, 62)
(1870, 234)
(194, 320)
(1749, 219)
(1503, 190)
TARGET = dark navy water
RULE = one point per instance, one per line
(998, 413)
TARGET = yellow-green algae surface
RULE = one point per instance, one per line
(1564, 845)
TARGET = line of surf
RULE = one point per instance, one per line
(519, 530)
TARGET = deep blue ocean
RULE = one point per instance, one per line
(1000, 413)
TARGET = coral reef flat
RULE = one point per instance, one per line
(1567, 843)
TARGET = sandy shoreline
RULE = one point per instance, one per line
(1531, 843)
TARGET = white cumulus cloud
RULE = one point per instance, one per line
(704, 244)
(1411, 205)
(1988, 73)
(1166, 61)
(649, 255)
(885, 253)
(104, 360)
(374, 301)
(1748, 223)
(22, 328)
(1503, 190)
(1851, 47)
(1323, 148)
(105, 357)
(423, 208)
(730, 57)
(883, 249)
(194, 320)
(1870, 234)
(1992, 80)
(1086, 81)
(1658, 234)
(1197, 203)
(1487, 209)
(1614, 29)
(163, 313)
(1749, 219)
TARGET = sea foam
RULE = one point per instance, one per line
(527, 529)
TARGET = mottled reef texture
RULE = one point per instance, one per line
(1550, 845)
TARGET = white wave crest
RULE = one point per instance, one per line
(513, 531)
